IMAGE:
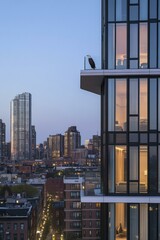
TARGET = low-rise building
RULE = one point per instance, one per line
(16, 219)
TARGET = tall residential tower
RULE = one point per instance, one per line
(72, 141)
(2, 140)
(21, 127)
(129, 86)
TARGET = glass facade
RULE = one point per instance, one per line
(133, 221)
(129, 85)
(21, 127)
(132, 135)
(132, 33)
(131, 117)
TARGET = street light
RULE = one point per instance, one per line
(61, 237)
(53, 237)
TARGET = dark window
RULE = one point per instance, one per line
(134, 13)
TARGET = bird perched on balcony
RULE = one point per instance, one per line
(91, 62)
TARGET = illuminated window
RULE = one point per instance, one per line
(143, 124)
(143, 45)
(121, 105)
(121, 169)
(121, 45)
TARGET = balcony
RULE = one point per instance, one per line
(91, 79)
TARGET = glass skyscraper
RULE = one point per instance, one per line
(129, 86)
(21, 127)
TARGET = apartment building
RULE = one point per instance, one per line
(129, 86)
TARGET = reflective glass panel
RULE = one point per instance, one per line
(153, 104)
(133, 64)
(111, 223)
(121, 10)
(143, 9)
(133, 96)
(111, 105)
(158, 43)
(133, 1)
(111, 46)
(153, 169)
(121, 45)
(158, 104)
(159, 168)
(158, 221)
(133, 40)
(133, 13)
(121, 105)
(134, 222)
(111, 10)
(143, 46)
(153, 45)
(153, 9)
(158, 9)
(133, 123)
(153, 214)
(133, 161)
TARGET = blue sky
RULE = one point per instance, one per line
(42, 49)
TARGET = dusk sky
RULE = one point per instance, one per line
(42, 48)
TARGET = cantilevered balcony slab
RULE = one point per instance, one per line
(121, 199)
(91, 80)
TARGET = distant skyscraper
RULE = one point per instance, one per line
(55, 146)
(2, 140)
(21, 127)
(58, 146)
(33, 142)
(72, 140)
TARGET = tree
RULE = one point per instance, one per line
(29, 190)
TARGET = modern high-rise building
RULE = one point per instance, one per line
(55, 145)
(2, 140)
(33, 142)
(72, 141)
(21, 138)
(129, 87)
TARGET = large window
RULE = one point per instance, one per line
(121, 221)
(117, 95)
(153, 104)
(133, 169)
(143, 9)
(143, 45)
(121, 169)
(121, 105)
(153, 45)
(143, 118)
(121, 45)
(121, 10)
(111, 104)
(134, 223)
(132, 44)
(111, 166)
(143, 169)
(111, 46)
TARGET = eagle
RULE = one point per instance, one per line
(91, 62)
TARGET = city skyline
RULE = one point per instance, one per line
(43, 46)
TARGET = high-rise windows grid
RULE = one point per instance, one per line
(141, 106)
(134, 26)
